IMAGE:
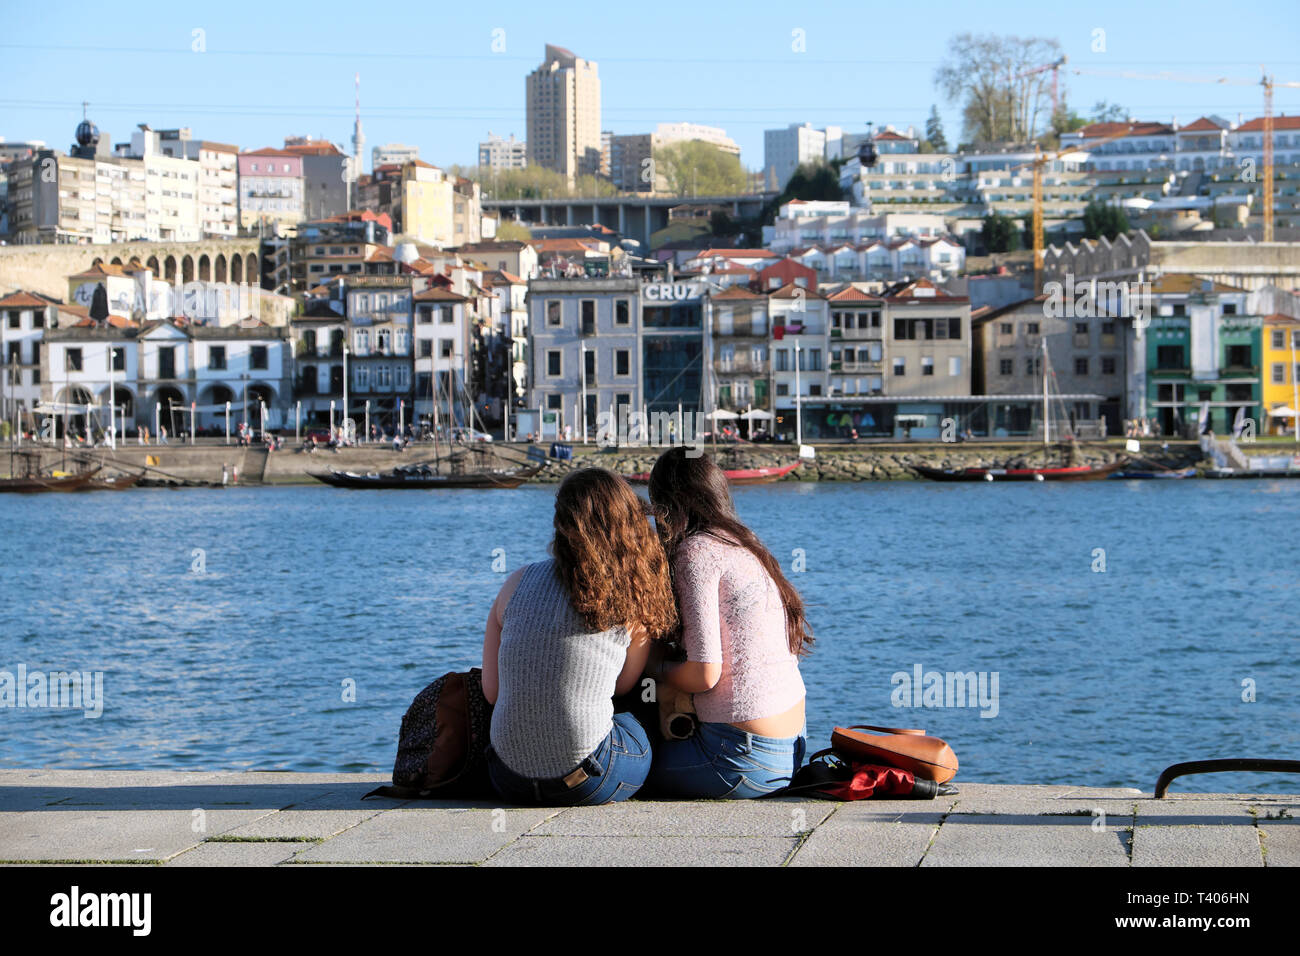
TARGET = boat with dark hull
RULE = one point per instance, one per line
(424, 475)
(27, 476)
(1145, 474)
(1059, 465)
(114, 482)
(34, 484)
(1067, 473)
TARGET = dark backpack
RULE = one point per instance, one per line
(442, 744)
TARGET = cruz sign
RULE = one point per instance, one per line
(672, 291)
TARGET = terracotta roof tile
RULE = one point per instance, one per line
(1279, 122)
(26, 300)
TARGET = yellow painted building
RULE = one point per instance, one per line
(1280, 366)
(428, 205)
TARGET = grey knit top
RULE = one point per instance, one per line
(556, 679)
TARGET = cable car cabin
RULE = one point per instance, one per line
(867, 155)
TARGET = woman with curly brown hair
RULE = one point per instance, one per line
(744, 629)
(564, 637)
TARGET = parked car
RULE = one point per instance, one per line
(469, 435)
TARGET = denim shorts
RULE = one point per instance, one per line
(616, 770)
(720, 760)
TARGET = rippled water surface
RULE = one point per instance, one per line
(227, 622)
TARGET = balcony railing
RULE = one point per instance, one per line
(1237, 371)
(741, 365)
(851, 365)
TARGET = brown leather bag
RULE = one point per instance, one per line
(927, 757)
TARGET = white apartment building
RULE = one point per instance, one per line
(785, 149)
(800, 336)
(395, 154)
(218, 192)
(24, 317)
(563, 105)
(441, 350)
(164, 372)
(497, 153)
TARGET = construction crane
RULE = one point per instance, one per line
(1055, 67)
(1267, 82)
(1038, 163)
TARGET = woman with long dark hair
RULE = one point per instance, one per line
(566, 635)
(743, 628)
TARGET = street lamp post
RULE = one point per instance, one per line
(343, 422)
(798, 398)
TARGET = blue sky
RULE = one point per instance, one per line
(429, 75)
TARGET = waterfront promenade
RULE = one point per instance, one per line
(271, 818)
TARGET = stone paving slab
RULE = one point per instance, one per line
(923, 812)
(1281, 845)
(266, 818)
(1179, 811)
(1006, 840)
(1197, 846)
(646, 851)
(111, 834)
(424, 836)
(236, 854)
(985, 799)
(859, 840)
(714, 818)
(302, 824)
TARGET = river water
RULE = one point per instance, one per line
(1124, 626)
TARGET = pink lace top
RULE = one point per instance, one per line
(732, 614)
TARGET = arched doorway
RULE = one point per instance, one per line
(169, 269)
(70, 416)
(172, 410)
(205, 268)
(123, 403)
(215, 399)
(236, 268)
(260, 394)
(220, 272)
(152, 266)
(187, 270)
(123, 409)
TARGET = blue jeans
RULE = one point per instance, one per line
(720, 760)
(615, 770)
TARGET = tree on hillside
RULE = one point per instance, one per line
(1101, 219)
(531, 182)
(1105, 112)
(697, 168)
(589, 187)
(934, 132)
(1000, 234)
(510, 230)
(810, 181)
(983, 74)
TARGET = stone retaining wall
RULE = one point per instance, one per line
(204, 462)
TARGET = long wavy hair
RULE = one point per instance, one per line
(690, 496)
(608, 556)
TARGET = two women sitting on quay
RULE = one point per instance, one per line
(567, 635)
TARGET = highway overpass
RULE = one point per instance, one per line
(634, 217)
